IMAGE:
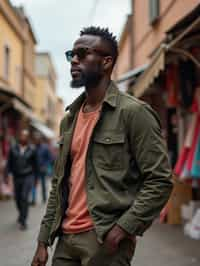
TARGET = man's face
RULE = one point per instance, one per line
(24, 137)
(37, 140)
(87, 64)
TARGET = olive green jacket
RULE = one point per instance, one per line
(128, 177)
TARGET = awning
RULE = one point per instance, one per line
(146, 79)
(11, 100)
(130, 77)
(43, 129)
(22, 108)
(132, 74)
(157, 63)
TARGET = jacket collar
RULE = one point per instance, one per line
(110, 99)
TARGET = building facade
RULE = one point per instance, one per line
(28, 96)
(47, 105)
(152, 20)
(125, 47)
(17, 77)
(146, 28)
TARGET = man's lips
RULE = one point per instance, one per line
(75, 71)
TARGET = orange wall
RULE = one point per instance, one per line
(8, 37)
(147, 37)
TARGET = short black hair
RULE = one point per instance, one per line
(105, 35)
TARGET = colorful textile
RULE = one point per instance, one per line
(194, 144)
(181, 161)
(195, 172)
(188, 164)
(191, 130)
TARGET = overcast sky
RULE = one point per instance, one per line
(56, 24)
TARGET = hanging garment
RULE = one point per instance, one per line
(188, 164)
(190, 132)
(193, 147)
(180, 167)
(181, 161)
(195, 172)
(172, 85)
(185, 173)
(187, 82)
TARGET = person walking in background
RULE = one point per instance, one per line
(112, 175)
(44, 159)
(22, 164)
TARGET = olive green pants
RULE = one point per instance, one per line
(84, 250)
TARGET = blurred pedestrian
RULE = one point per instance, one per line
(44, 159)
(22, 164)
(112, 175)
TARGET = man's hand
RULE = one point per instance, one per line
(41, 255)
(114, 237)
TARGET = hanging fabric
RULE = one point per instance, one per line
(180, 167)
(172, 85)
(188, 164)
(193, 147)
(195, 172)
(187, 82)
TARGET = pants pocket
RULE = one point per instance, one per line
(122, 257)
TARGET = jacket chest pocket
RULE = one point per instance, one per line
(108, 150)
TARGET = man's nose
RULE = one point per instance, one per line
(75, 60)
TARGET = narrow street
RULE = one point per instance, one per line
(162, 245)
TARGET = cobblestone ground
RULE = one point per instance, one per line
(162, 245)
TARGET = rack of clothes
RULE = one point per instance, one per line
(188, 163)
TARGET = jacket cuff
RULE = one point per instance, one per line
(132, 225)
(44, 234)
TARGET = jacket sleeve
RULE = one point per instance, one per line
(150, 152)
(48, 219)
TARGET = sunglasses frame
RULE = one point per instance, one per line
(71, 53)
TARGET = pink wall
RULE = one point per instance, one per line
(147, 37)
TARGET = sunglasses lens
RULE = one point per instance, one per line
(69, 55)
(81, 53)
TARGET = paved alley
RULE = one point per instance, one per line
(162, 245)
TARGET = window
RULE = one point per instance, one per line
(154, 10)
(6, 62)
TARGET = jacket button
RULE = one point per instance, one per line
(107, 139)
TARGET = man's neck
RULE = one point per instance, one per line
(95, 95)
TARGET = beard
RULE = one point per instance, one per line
(87, 79)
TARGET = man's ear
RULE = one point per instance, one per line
(108, 62)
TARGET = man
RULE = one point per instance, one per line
(22, 164)
(44, 159)
(112, 175)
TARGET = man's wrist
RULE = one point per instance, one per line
(123, 230)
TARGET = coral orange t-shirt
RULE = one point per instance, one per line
(77, 217)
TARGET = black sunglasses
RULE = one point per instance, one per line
(82, 52)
